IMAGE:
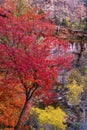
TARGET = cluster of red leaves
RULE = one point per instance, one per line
(26, 43)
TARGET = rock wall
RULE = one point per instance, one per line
(73, 9)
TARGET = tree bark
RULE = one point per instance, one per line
(80, 54)
(17, 127)
(28, 97)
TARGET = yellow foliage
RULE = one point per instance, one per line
(74, 93)
(75, 85)
(52, 116)
(76, 75)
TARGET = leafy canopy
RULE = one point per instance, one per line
(27, 63)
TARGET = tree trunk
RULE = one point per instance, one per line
(17, 127)
(80, 54)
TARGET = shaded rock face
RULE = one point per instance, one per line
(73, 9)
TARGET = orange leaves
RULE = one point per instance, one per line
(9, 110)
(10, 103)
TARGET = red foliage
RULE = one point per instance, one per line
(29, 68)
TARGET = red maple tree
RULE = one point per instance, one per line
(27, 61)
